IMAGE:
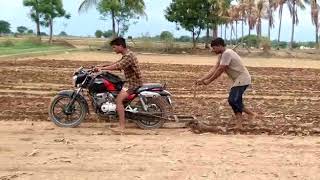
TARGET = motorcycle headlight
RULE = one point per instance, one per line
(74, 80)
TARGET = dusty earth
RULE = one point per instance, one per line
(282, 143)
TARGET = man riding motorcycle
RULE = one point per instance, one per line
(129, 64)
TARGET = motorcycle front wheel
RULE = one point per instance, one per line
(64, 115)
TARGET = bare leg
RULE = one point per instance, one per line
(251, 114)
(120, 108)
(239, 120)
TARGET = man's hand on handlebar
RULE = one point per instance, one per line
(96, 69)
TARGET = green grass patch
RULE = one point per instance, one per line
(8, 46)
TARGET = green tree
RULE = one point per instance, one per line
(30, 31)
(254, 40)
(197, 15)
(63, 33)
(4, 27)
(98, 33)
(184, 39)
(34, 12)
(189, 14)
(52, 9)
(107, 34)
(22, 29)
(120, 11)
(166, 35)
(43, 34)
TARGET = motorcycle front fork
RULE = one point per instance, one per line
(71, 102)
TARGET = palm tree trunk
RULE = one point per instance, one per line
(317, 35)
(230, 33)
(51, 30)
(215, 31)
(280, 16)
(242, 29)
(259, 27)
(249, 21)
(242, 34)
(270, 17)
(236, 31)
(293, 23)
(231, 28)
(269, 27)
(225, 31)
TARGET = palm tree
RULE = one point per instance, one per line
(293, 8)
(260, 13)
(280, 3)
(222, 7)
(235, 16)
(243, 15)
(315, 19)
(251, 14)
(272, 6)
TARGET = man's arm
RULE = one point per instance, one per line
(110, 67)
(225, 60)
(210, 73)
(105, 65)
(217, 73)
(123, 63)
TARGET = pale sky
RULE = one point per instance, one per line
(85, 24)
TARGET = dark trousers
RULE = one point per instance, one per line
(235, 98)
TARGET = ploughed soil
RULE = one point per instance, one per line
(280, 143)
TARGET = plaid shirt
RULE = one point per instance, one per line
(129, 64)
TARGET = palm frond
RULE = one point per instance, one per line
(86, 4)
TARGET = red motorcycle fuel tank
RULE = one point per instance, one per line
(109, 86)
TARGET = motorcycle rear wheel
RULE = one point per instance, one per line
(158, 106)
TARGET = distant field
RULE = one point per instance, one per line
(145, 46)
(24, 46)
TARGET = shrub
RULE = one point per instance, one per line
(7, 43)
(98, 34)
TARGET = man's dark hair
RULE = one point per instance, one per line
(218, 42)
(118, 41)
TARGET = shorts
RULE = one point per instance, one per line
(235, 98)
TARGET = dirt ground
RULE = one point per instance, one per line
(282, 143)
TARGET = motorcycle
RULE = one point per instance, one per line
(149, 106)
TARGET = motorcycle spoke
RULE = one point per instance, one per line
(61, 105)
(59, 114)
(68, 118)
(75, 113)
